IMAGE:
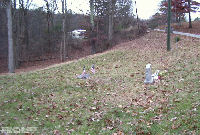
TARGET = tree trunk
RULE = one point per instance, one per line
(190, 21)
(64, 40)
(97, 42)
(20, 36)
(15, 17)
(61, 52)
(92, 34)
(11, 67)
(92, 13)
(26, 33)
(63, 44)
(52, 33)
(48, 27)
(110, 23)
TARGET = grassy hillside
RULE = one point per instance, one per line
(115, 99)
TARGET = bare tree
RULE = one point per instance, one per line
(92, 33)
(190, 22)
(92, 13)
(10, 38)
(51, 7)
(63, 43)
(110, 23)
(15, 33)
(48, 24)
(23, 28)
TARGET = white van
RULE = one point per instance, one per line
(78, 34)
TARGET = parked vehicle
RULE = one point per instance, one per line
(78, 34)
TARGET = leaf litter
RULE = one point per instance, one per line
(117, 85)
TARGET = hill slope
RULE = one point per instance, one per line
(115, 99)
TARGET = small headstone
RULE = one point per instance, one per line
(84, 75)
(148, 78)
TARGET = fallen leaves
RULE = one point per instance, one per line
(175, 126)
(132, 75)
(56, 132)
(118, 133)
(118, 85)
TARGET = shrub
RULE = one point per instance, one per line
(177, 39)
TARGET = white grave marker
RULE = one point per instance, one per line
(148, 78)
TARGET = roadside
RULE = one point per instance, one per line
(181, 33)
(183, 27)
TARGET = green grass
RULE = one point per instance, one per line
(114, 100)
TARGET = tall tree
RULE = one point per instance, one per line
(10, 38)
(51, 7)
(110, 26)
(24, 7)
(24, 29)
(48, 24)
(189, 8)
(92, 13)
(180, 7)
(63, 43)
(177, 8)
(15, 33)
(92, 33)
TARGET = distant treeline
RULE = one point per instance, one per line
(42, 31)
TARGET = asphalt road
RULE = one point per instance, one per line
(181, 33)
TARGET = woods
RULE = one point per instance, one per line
(42, 32)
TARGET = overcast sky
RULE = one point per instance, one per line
(146, 8)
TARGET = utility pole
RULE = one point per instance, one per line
(136, 10)
(169, 27)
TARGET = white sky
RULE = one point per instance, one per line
(146, 8)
